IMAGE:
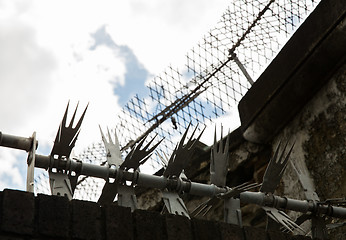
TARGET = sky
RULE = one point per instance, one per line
(97, 52)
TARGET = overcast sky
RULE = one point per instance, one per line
(96, 52)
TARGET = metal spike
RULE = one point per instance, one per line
(138, 156)
(235, 191)
(275, 170)
(219, 161)
(283, 219)
(306, 182)
(181, 154)
(204, 207)
(113, 149)
(67, 136)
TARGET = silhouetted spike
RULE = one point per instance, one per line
(146, 146)
(67, 136)
(81, 118)
(73, 141)
(182, 140)
(63, 122)
(181, 154)
(73, 116)
(155, 146)
(138, 156)
(200, 135)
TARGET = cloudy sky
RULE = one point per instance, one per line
(96, 52)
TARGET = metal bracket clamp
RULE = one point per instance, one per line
(31, 165)
(127, 197)
(174, 204)
(60, 184)
(241, 66)
(232, 212)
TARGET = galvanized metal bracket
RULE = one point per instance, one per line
(241, 66)
(174, 204)
(318, 228)
(232, 212)
(31, 165)
(127, 197)
(60, 184)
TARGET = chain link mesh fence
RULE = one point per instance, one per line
(209, 86)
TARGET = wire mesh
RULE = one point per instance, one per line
(209, 85)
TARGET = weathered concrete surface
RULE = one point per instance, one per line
(319, 133)
(303, 66)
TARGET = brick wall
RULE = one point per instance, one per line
(23, 216)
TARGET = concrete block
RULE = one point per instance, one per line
(230, 231)
(148, 225)
(203, 229)
(86, 220)
(18, 212)
(53, 216)
(4, 237)
(178, 227)
(300, 237)
(119, 222)
(273, 235)
(252, 233)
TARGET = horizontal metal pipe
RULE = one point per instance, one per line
(207, 190)
(90, 170)
(16, 142)
(79, 167)
(199, 189)
(303, 206)
(151, 181)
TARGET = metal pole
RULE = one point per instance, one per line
(16, 142)
(242, 68)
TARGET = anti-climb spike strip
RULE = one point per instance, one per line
(172, 185)
(252, 29)
(67, 136)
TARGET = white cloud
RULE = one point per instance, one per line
(25, 73)
(46, 60)
(10, 169)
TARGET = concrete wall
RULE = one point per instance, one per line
(319, 133)
(23, 216)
